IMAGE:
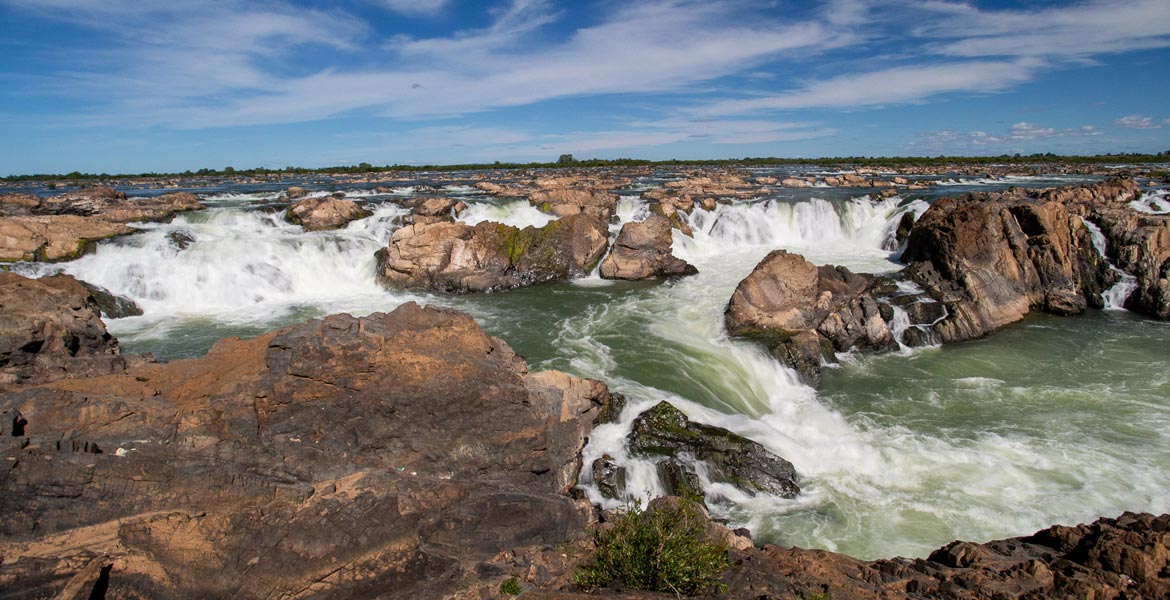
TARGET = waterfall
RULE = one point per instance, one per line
(1113, 298)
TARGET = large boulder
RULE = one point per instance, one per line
(393, 456)
(664, 431)
(993, 259)
(804, 314)
(566, 201)
(322, 214)
(52, 329)
(643, 250)
(53, 237)
(457, 257)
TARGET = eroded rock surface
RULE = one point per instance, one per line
(322, 214)
(643, 250)
(457, 257)
(386, 456)
(52, 328)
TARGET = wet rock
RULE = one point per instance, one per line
(384, 456)
(294, 192)
(181, 239)
(643, 250)
(670, 211)
(456, 257)
(611, 409)
(665, 431)
(52, 329)
(679, 480)
(434, 209)
(112, 306)
(322, 214)
(609, 477)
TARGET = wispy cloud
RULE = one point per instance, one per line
(1138, 122)
(417, 7)
(887, 86)
(1014, 138)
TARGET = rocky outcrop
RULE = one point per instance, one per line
(66, 226)
(397, 455)
(457, 257)
(322, 214)
(643, 250)
(976, 263)
(664, 431)
(432, 210)
(993, 259)
(804, 314)
(111, 305)
(52, 329)
(53, 238)
(566, 201)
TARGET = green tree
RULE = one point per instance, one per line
(565, 159)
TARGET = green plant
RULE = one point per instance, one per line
(510, 586)
(664, 548)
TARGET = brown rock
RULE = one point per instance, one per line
(562, 202)
(113, 206)
(457, 257)
(294, 192)
(52, 329)
(52, 237)
(320, 214)
(385, 456)
(643, 250)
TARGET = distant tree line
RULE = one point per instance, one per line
(567, 161)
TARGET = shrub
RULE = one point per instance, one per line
(663, 548)
(510, 586)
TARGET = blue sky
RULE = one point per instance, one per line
(140, 85)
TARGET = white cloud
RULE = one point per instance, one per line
(1072, 31)
(417, 7)
(1137, 122)
(887, 86)
(955, 141)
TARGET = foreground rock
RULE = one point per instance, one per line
(66, 226)
(665, 431)
(1127, 557)
(51, 329)
(322, 214)
(643, 250)
(457, 257)
(395, 456)
(977, 262)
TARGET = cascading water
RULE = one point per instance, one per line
(898, 453)
(1115, 297)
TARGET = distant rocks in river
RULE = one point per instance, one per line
(321, 214)
(64, 227)
(430, 210)
(976, 263)
(457, 257)
(643, 250)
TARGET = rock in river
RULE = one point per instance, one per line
(642, 250)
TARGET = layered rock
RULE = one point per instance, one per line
(457, 257)
(664, 431)
(52, 329)
(976, 263)
(394, 455)
(431, 210)
(64, 227)
(322, 214)
(566, 201)
(643, 250)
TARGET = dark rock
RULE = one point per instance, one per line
(611, 409)
(679, 480)
(52, 329)
(181, 239)
(112, 306)
(385, 456)
(609, 477)
(665, 431)
(643, 250)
